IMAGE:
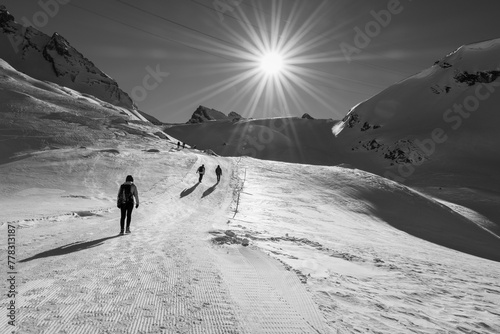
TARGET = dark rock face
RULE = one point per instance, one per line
(203, 114)
(234, 116)
(5, 16)
(478, 77)
(307, 116)
(351, 119)
(70, 67)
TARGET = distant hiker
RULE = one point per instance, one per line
(201, 171)
(178, 144)
(125, 201)
(218, 172)
(183, 145)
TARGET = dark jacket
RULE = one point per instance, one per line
(121, 194)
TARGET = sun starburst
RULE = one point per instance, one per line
(271, 58)
(271, 63)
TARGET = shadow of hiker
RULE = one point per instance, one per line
(186, 192)
(69, 248)
(209, 190)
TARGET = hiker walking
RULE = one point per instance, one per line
(218, 172)
(125, 201)
(201, 171)
(178, 145)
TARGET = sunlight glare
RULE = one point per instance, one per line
(271, 63)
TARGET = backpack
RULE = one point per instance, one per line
(201, 170)
(126, 196)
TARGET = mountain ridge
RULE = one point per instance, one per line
(204, 114)
(52, 58)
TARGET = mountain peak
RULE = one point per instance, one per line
(203, 114)
(60, 44)
(5, 16)
(52, 58)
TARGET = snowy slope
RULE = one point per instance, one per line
(366, 265)
(377, 255)
(439, 124)
(293, 139)
(42, 115)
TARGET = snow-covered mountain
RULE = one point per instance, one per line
(52, 58)
(440, 123)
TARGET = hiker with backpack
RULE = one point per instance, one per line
(201, 171)
(125, 201)
(218, 172)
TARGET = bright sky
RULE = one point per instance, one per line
(332, 54)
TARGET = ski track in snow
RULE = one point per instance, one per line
(76, 275)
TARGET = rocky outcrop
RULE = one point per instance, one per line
(234, 116)
(204, 114)
(5, 17)
(479, 77)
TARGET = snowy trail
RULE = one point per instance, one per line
(79, 276)
(322, 257)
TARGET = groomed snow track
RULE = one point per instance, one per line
(165, 277)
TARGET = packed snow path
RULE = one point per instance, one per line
(370, 266)
(79, 276)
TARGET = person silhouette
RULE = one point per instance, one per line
(201, 171)
(125, 201)
(218, 172)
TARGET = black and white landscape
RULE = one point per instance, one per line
(385, 220)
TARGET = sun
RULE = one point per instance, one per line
(271, 63)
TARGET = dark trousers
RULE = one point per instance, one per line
(126, 212)
(201, 177)
(218, 177)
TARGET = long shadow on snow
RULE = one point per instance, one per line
(186, 192)
(209, 190)
(69, 248)
(431, 221)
